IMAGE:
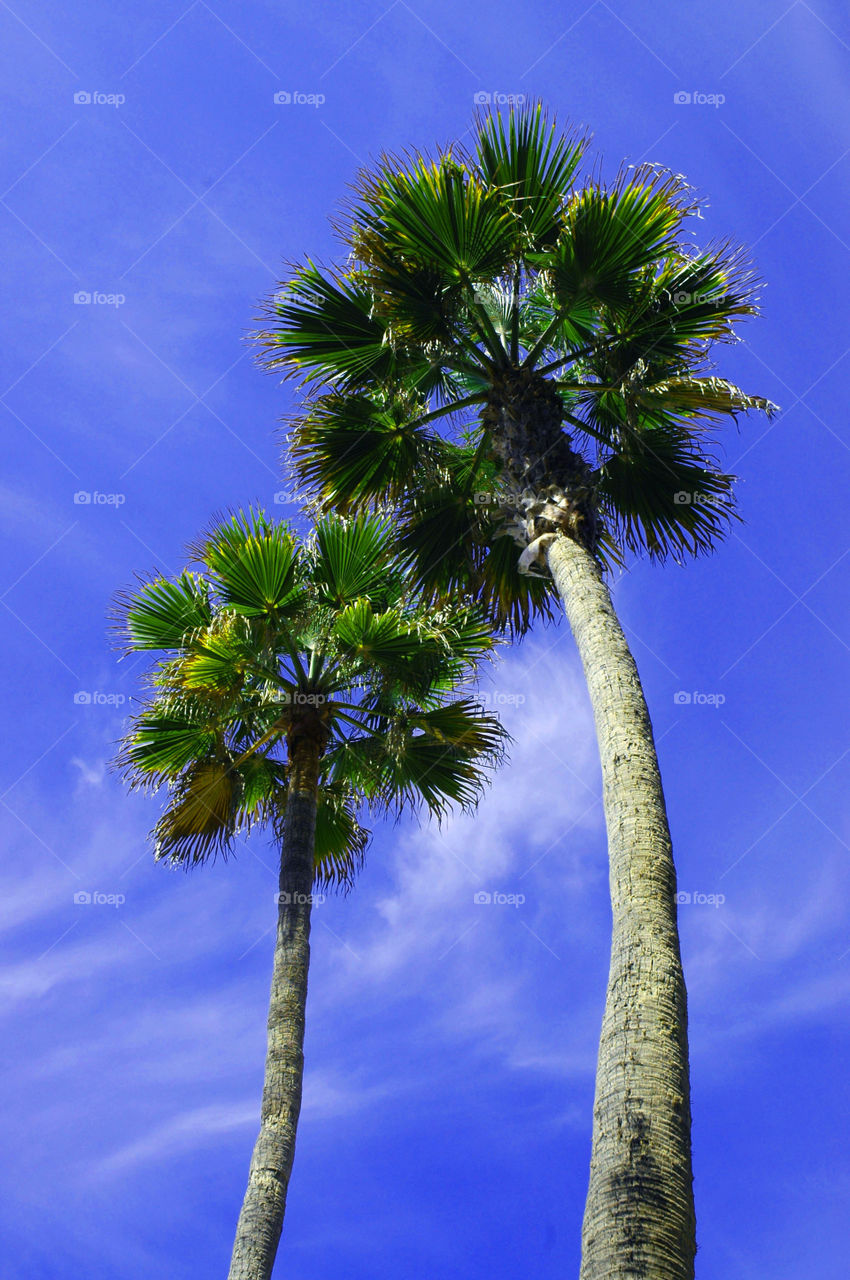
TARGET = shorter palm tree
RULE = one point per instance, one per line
(298, 683)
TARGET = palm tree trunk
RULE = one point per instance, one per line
(639, 1217)
(261, 1219)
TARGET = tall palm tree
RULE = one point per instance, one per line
(561, 330)
(296, 683)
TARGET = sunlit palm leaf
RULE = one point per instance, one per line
(610, 235)
(324, 328)
(202, 815)
(163, 613)
(351, 451)
(352, 560)
(253, 564)
(532, 166)
(432, 215)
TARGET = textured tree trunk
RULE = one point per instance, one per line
(261, 1219)
(639, 1217)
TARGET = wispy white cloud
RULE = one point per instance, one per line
(528, 823)
(182, 1133)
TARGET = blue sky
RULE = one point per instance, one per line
(451, 1046)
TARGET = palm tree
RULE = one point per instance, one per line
(562, 332)
(297, 682)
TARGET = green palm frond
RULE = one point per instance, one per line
(419, 764)
(252, 562)
(677, 313)
(352, 561)
(700, 399)
(324, 329)
(661, 494)
(162, 613)
(432, 215)
(202, 815)
(355, 451)
(389, 639)
(341, 840)
(462, 724)
(165, 741)
(531, 166)
(438, 534)
(608, 236)
(425, 771)
(565, 326)
(511, 599)
(219, 660)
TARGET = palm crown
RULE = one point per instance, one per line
(562, 330)
(268, 641)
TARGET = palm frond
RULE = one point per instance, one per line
(532, 166)
(661, 494)
(252, 562)
(202, 815)
(435, 215)
(608, 236)
(162, 613)
(353, 451)
(341, 840)
(323, 327)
